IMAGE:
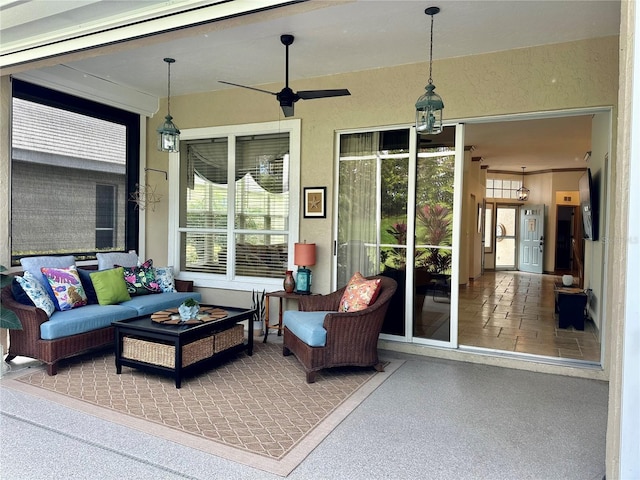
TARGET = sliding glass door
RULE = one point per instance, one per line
(395, 217)
(433, 249)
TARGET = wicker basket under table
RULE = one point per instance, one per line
(165, 354)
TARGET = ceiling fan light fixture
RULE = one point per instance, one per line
(168, 132)
(523, 192)
(430, 105)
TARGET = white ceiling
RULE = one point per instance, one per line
(331, 37)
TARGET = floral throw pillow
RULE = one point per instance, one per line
(359, 293)
(36, 292)
(165, 279)
(141, 280)
(66, 286)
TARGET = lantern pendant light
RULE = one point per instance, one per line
(523, 192)
(168, 133)
(429, 106)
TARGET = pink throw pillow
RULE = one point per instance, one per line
(359, 294)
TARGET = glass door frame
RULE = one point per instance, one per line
(516, 235)
(411, 212)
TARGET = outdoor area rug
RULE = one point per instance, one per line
(258, 410)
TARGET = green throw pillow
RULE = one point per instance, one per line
(110, 286)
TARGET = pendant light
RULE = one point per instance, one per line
(523, 192)
(429, 106)
(168, 133)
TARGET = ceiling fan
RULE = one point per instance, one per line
(288, 97)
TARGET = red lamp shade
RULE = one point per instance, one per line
(304, 254)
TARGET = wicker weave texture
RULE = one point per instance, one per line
(228, 338)
(165, 355)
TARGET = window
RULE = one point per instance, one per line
(502, 188)
(237, 188)
(488, 228)
(73, 164)
(106, 205)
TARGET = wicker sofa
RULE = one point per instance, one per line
(39, 337)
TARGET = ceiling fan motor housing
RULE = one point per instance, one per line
(286, 97)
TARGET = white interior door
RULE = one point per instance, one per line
(531, 252)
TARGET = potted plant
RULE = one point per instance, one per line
(189, 309)
(8, 319)
(259, 316)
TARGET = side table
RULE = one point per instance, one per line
(282, 297)
(570, 305)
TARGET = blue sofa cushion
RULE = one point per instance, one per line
(108, 260)
(83, 319)
(34, 264)
(307, 326)
(148, 304)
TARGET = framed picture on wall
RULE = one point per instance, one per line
(315, 202)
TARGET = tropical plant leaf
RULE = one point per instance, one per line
(4, 279)
(8, 319)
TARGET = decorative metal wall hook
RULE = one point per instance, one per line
(166, 176)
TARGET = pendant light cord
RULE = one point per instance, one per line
(431, 51)
(169, 89)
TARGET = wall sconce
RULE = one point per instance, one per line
(304, 255)
(168, 133)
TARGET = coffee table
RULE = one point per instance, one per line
(177, 349)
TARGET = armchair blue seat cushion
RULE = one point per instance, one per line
(307, 326)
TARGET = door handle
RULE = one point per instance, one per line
(541, 243)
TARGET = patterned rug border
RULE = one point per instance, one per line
(282, 467)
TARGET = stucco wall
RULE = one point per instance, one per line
(5, 149)
(564, 76)
(571, 75)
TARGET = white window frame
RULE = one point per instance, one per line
(209, 280)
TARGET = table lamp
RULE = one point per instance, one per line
(304, 255)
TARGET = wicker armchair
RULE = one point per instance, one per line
(352, 338)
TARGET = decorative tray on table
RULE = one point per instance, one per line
(171, 316)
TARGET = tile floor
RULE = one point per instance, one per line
(514, 311)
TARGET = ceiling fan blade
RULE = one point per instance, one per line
(310, 94)
(287, 110)
(250, 88)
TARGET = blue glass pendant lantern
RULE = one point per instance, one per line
(168, 132)
(430, 105)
